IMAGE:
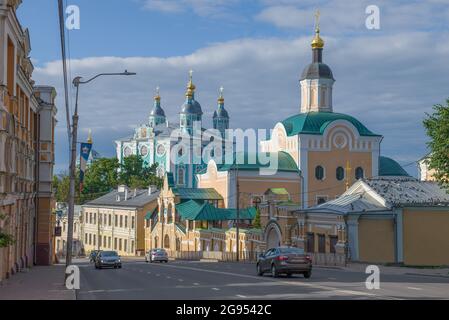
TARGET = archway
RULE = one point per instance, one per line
(273, 237)
(167, 242)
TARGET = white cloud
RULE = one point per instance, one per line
(200, 7)
(388, 82)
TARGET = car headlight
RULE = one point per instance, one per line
(101, 261)
(119, 260)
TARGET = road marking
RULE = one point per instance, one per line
(180, 280)
(168, 277)
(215, 289)
(149, 272)
(332, 278)
(414, 288)
(157, 274)
(303, 284)
(196, 284)
(240, 296)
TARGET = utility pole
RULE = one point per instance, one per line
(238, 212)
(74, 134)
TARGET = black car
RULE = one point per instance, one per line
(286, 260)
(108, 259)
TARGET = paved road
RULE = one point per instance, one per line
(186, 280)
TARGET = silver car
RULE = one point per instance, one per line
(108, 259)
(156, 255)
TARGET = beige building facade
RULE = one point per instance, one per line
(116, 221)
(27, 122)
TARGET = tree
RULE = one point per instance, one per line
(135, 174)
(256, 222)
(437, 128)
(101, 176)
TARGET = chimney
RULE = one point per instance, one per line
(117, 198)
(151, 190)
(135, 192)
(126, 194)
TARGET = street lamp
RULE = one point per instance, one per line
(74, 135)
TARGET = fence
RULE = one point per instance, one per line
(213, 255)
(318, 259)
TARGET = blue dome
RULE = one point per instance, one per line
(157, 111)
(191, 107)
(317, 70)
(221, 113)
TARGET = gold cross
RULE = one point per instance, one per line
(348, 175)
(317, 20)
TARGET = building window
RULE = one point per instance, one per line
(85, 238)
(109, 242)
(333, 242)
(125, 246)
(340, 173)
(321, 199)
(121, 221)
(120, 244)
(319, 173)
(132, 222)
(321, 243)
(109, 222)
(90, 217)
(115, 243)
(132, 246)
(181, 176)
(359, 173)
(126, 222)
(310, 242)
(116, 221)
(105, 241)
(90, 238)
(95, 240)
(95, 218)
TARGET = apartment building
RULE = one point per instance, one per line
(27, 122)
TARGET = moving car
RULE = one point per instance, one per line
(156, 255)
(287, 260)
(108, 259)
(93, 255)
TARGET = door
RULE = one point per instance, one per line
(264, 261)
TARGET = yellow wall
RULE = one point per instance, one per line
(330, 161)
(376, 240)
(426, 236)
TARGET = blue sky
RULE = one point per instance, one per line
(256, 49)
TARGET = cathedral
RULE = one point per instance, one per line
(158, 141)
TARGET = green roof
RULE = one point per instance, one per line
(317, 122)
(197, 194)
(279, 191)
(195, 210)
(149, 214)
(256, 161)
(389, 167)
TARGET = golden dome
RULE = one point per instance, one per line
(157, 97)
(221, 97)
(317, 42)
(190, 86)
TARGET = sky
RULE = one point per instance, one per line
(256, 49)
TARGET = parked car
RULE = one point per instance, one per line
(93, 255)
(286, 260)
(156, 255)
(108, 259)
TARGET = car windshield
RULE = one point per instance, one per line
(291, 250)
(160, 250)
(109, 254)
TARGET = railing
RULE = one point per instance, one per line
(213, 255)
(328, 259)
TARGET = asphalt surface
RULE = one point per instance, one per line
(188, 280)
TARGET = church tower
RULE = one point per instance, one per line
(191, 110)
(157, 114)
(317, 79)
(221, 117)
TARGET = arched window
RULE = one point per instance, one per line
(340, 173)
(319, 173)
(359, 173)
(181, 176)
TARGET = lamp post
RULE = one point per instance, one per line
(74, 135)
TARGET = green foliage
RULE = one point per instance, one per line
(101, 176)
(135, 175)
(256, 222)
(6, 240)
(437, 128)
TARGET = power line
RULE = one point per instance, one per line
(64, 66)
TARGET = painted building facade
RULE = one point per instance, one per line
(27, 122)
(116, 221)
(331, 149)
(160, 142)
(62, 221)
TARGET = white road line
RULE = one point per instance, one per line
(215, 289)
(180, 280)
(149, 272)
(303, 284)
(240, 296)
(414, 288)
(196, 284)
(168, 277)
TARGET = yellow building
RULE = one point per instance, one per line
(27, 122)
(388, 219)
(194, 223)
(331, 149)
(116, 221)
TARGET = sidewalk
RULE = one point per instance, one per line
(37, 283)
(430, 272)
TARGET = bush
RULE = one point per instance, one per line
(5, 240)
